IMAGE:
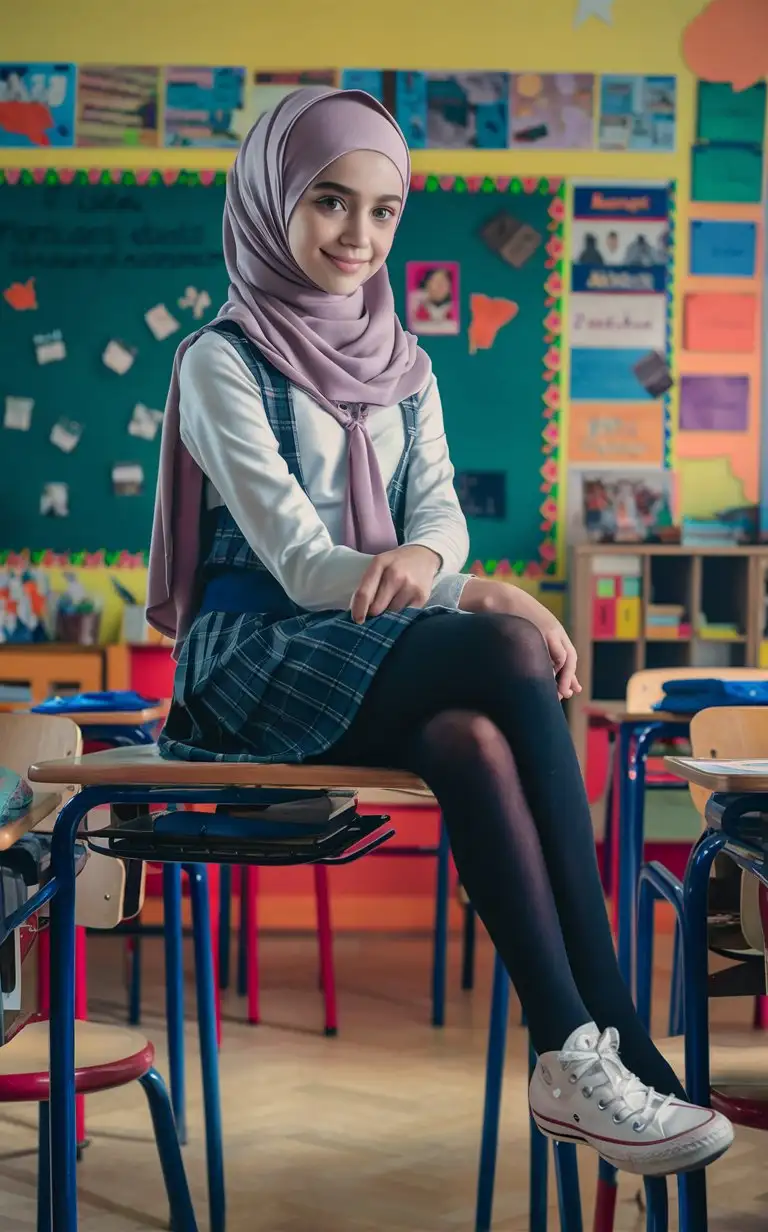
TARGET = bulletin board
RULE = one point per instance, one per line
(86, 254)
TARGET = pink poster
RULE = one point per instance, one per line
(432, 297)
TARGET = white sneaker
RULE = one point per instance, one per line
(585, 1094)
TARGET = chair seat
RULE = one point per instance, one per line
(105, 1057)
(143, 766)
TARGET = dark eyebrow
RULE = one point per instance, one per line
(332, 186)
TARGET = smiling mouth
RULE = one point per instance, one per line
(344, 266)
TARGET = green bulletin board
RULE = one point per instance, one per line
(104, 248)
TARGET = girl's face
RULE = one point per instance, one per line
(439, 286)
(342, 228)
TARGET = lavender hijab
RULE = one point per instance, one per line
(350, 353)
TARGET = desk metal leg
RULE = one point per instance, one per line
(440, 957)
(209, 1052)
(174, 992)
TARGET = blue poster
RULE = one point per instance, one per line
(637, 113)
(37, 105)
(453, 111)
(723, 249)
(606, 375)
(369, 79)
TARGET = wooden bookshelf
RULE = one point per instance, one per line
(656, 606)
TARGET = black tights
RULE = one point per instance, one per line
(469, 703)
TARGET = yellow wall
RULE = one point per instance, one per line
(501, 34)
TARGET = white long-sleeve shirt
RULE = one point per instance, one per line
(296, 535)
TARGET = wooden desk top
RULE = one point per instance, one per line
(44, 805)
(143, 766)
(732, 777)
(120, 718)
(617, 713)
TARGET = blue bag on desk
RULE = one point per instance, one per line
(117, 700)
(690, 696)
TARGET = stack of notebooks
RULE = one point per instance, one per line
(666, 621)
(710, 533)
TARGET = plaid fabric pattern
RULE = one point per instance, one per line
(252, 688)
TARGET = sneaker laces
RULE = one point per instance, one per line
(599, 1060)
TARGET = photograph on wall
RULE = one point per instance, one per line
(37, 105)
(205, 107)
(620, 238)
(555, 111)
(269, 88)
(432, 297)
(637, 113)
(453, 111)
(117, 105)
(613, 505)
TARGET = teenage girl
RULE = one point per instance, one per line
(306, 555)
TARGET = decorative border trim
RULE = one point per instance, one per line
(668, 444)
(552, 327)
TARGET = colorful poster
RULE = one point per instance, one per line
(269, 88)
(453, 111)
(432, 297)
(555, 111)
(723, 249)
(627, 433)
(369, 79)
(117, 105)
(606, 374)
(622, 322)
(37, 105)
(620, 239)
(637, 113)
(205, 107)
(714, 403)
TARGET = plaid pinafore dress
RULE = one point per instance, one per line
(280, 685)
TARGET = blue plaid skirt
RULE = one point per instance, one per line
(285, 686)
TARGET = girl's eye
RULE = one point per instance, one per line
(330, 203)
(383, 214)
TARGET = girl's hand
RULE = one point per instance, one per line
(481, 595)
(395, 580)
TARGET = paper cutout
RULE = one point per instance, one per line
(127, 479)
(706, 485)
(714, 403)
(514, 241)
(601, 9)
(432, 297)
(616, 432)
(723, 249)
(54, 500)
(728, 41)
(18, 413)
(725, 114)
(487, 317)
(205, 107)
(37, 104)
(144, 422)
(118, 357)
(21, 296)
(160, 322)
(198, 301)
(50, 348)
(482, 494)
(117, 105)
(726, 173)
(637, 113)
(65, 434)
(554, 111)
(716, 322)
(653, 373)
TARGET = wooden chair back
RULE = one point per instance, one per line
(646, 688)
(733, 732)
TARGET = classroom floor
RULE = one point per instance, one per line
(374, 1131)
